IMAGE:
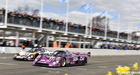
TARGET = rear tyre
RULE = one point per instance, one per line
(84, 62)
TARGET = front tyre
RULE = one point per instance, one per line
(63, 62)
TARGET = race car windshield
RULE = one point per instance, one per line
(34, 50)
(58, 53)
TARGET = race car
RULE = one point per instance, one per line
(31, 54)
(60, 58)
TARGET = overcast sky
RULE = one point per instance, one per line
(128, 10)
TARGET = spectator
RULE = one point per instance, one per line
(55, 44)
(67, 45)
(4, 43)
(23, 47)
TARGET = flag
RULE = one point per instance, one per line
(116, 17)
(87, 7)
(103, 12)
(47, 5)
(139, 25)
(62, 0)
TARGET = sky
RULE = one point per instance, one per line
(128, 10)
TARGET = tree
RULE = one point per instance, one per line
(19, 9)
(35, 12)
(28, 9)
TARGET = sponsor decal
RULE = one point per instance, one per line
(58, 58)
(75, 58)
(38, 56)
(81, 58)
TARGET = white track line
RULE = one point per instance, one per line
(102, 66)
(50, 68)
(97, 61)
(81, 69)
(7, 64)
(4, 57)
(118, 65)
(54, 71)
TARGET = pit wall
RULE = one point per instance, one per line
(94, 52)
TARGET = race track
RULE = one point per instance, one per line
(97, 65)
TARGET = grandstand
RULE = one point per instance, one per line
(23, 26)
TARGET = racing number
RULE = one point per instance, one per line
(81, 58)
(75, 58)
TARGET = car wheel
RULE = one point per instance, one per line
(62, 62)
(84, 62)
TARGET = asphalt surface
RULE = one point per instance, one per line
(97, 65)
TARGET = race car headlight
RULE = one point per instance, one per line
(54, 63)
(42, 60)
(27, 54)
(52, 58)
(36, 59)
(32, 56)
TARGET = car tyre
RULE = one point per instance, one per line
(63, 62)
(84, 62)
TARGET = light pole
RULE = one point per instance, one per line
(6, 13)
(118, 33)
(41, 20)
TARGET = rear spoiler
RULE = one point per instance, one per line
(89, 54)
(83, 53)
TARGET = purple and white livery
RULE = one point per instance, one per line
(62, 58)
(31, 54)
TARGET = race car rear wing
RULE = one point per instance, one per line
(83, 53)
(89, 54)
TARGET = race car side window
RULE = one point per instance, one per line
(59, 53)
(68, 53)
(42, 50)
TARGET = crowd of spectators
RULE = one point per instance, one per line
(119, 47)
(22, 18)
(27, 43)
(12, 43)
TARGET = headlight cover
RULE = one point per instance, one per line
(27, 54)
(52, 58)
(54, 63)
(32, 56)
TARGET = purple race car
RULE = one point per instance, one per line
(62, 58)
